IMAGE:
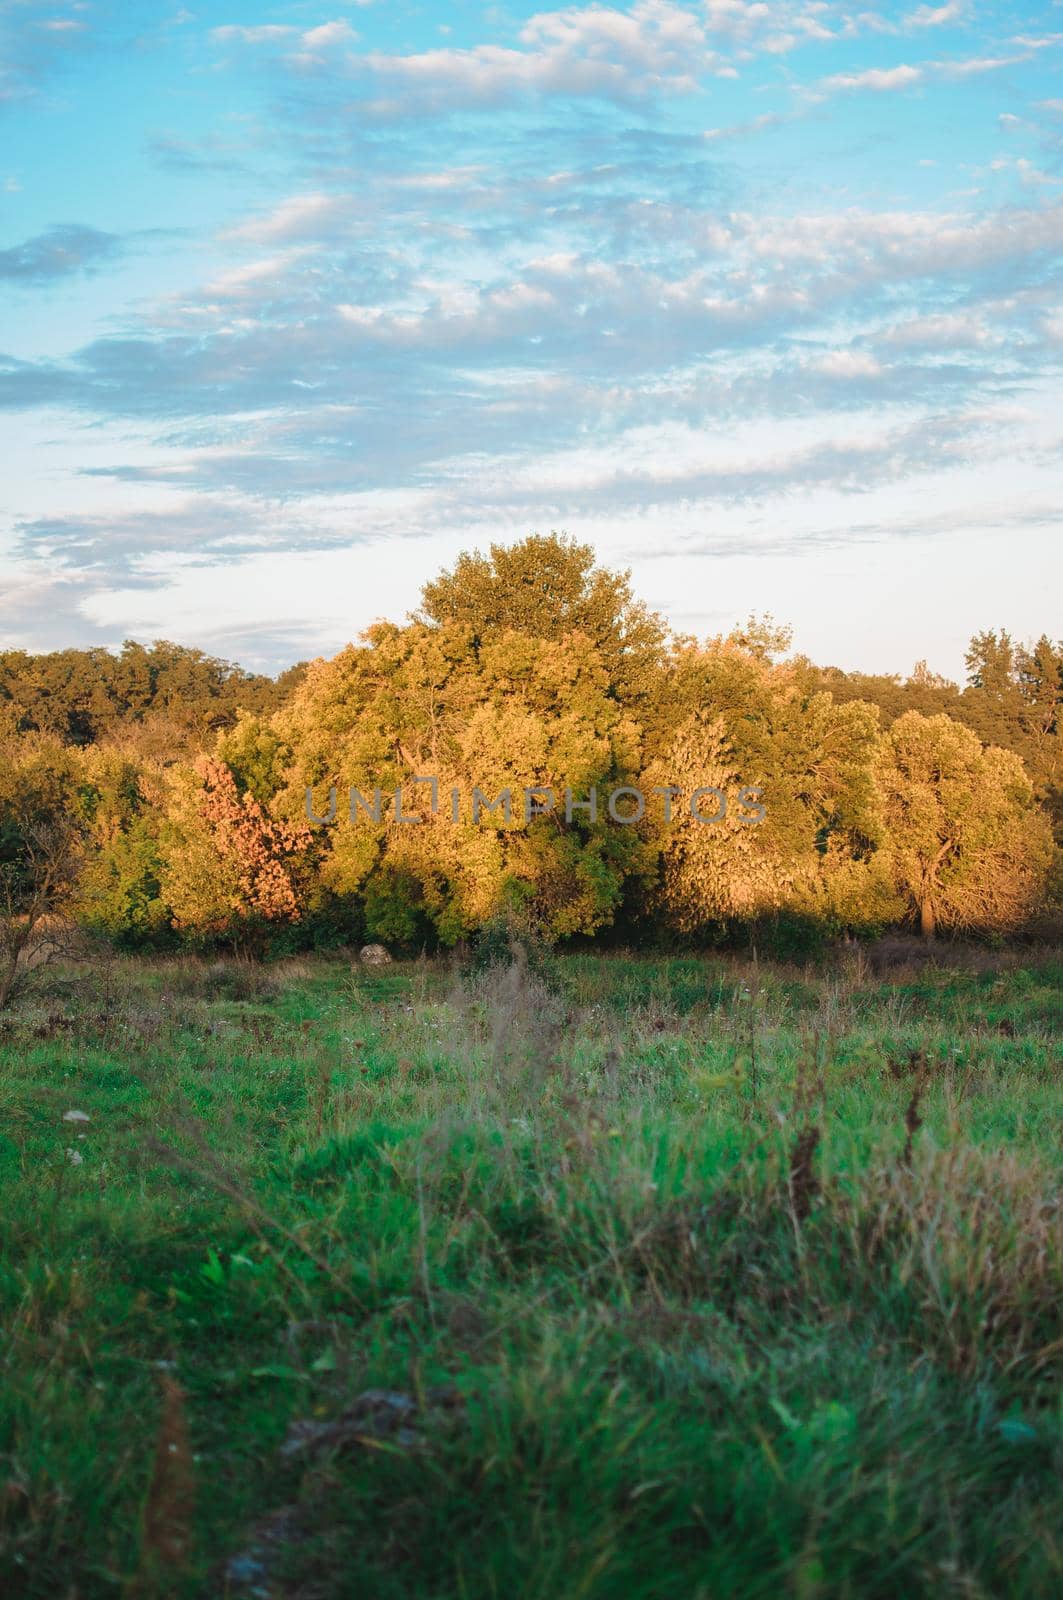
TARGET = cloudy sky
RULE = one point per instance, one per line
(299, 300)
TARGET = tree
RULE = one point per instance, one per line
(35, 892)
(120, 795)
(40, 857)
(1040, 673)
(1014, 699)
(548, 587)
(229, 869)
(505, 711)
(710, 871)
(762, 636)
(531, 668)
(255, 755)
(969, 847)
(729, 715)
(80, 696)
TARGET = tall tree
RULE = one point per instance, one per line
(547, 586)
(729, 709)
(969, 847)
(40, 856)
(508, 711)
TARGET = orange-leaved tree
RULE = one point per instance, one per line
(230, 866)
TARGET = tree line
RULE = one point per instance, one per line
(173, 786)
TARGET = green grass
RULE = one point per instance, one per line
(673, 1366)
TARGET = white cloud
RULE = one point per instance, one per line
(1048, 41)
(942, 331)
(936, 16)
(1029, 176)
(892, 245)
(847, 364)
(879, 79)
(594, 51)
(748, 25)
(264, 33)
(254, 278)
(652, 47)
(301, 216)
(976, 65)
(328, 34)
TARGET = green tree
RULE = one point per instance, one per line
(120, 799)
(80, 696)
(256, 756)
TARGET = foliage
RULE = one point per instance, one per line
(79, 696)
(41, 858)
(529, 668)
(547, 587)
(968, 848)
(230, 868)
(507, 713)
(504, 939)
(120, 890)
(35, 893)
(1013, 699)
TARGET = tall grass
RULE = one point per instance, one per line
(622, 1277)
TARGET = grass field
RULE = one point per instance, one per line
(631, 1277)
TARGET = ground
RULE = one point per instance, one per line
(620, 1277)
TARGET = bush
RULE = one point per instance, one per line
(504, 939)
(789, 936)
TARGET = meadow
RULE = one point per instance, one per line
(573, 1278)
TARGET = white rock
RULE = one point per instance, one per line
(76, 1116)
(374, 955)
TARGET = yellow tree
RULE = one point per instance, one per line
(41, 854)
(548, 587)
(968, 845)
(730, 717)
(716, 860)
(506, 713)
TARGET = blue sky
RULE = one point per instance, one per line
(299, 300)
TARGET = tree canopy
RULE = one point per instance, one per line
(547, 586)
(532, 670)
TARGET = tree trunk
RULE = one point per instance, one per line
(927, 919)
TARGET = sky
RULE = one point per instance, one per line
(298, 301)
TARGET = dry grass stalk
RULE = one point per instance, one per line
(912, 1120)
(804, 1184)
(167, 1533)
